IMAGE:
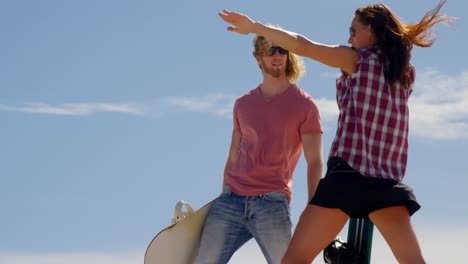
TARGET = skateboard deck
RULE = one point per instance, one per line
(179, 242)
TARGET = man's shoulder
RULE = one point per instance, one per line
(247, 95)
(302, 92)
(303, 96)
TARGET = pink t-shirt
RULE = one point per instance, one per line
(271, 142)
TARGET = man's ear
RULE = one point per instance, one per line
(259, 62)
(258, 59)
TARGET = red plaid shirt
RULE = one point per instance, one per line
(372, 133)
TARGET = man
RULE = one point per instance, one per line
(273, 123)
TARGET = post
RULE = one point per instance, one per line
(360, 233)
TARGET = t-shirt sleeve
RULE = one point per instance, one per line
(310, 122)
(235, 117)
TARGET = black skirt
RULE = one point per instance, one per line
(358, 195)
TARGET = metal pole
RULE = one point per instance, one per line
(360, 233)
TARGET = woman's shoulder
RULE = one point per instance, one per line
(371, 52)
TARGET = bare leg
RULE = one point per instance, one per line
(394, 223)
(316, 228)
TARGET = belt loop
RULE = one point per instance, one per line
(226, 190)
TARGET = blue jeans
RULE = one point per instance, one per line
(234, 219)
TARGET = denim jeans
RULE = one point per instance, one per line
(234, 219)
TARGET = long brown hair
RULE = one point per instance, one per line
(396, 38)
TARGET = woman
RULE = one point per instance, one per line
(368, 157)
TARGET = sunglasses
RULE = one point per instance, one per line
(273, 50)
(352, 32)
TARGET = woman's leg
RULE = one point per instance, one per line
(394, 223)
(316, 228)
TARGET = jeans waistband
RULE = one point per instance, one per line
(227, 192)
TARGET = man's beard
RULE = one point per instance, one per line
(275, 72)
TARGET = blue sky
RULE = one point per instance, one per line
(112, 111)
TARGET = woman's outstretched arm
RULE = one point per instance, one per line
(336, 56)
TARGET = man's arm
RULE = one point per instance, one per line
(233, 153)
(312, 144)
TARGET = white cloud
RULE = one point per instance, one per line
(218, 104)
(439, 106)
(131, 257)
(440, 244)
(328, 110)
(330, 74)
(73, 109)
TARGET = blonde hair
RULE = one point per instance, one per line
(295, 68)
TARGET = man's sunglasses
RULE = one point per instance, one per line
(273, 50)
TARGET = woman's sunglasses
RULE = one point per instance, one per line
(273, 50)
(352, 32)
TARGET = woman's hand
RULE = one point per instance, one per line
(241, 24)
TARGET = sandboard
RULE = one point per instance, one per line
(179, 242)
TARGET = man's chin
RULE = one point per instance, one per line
(275, 72)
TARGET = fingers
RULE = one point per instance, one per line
(227, 16)
(226, 12)
(223, 17)
(239, 23)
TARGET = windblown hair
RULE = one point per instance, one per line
(295, 68)
(396, 39)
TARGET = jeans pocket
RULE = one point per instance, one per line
(275, 197)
